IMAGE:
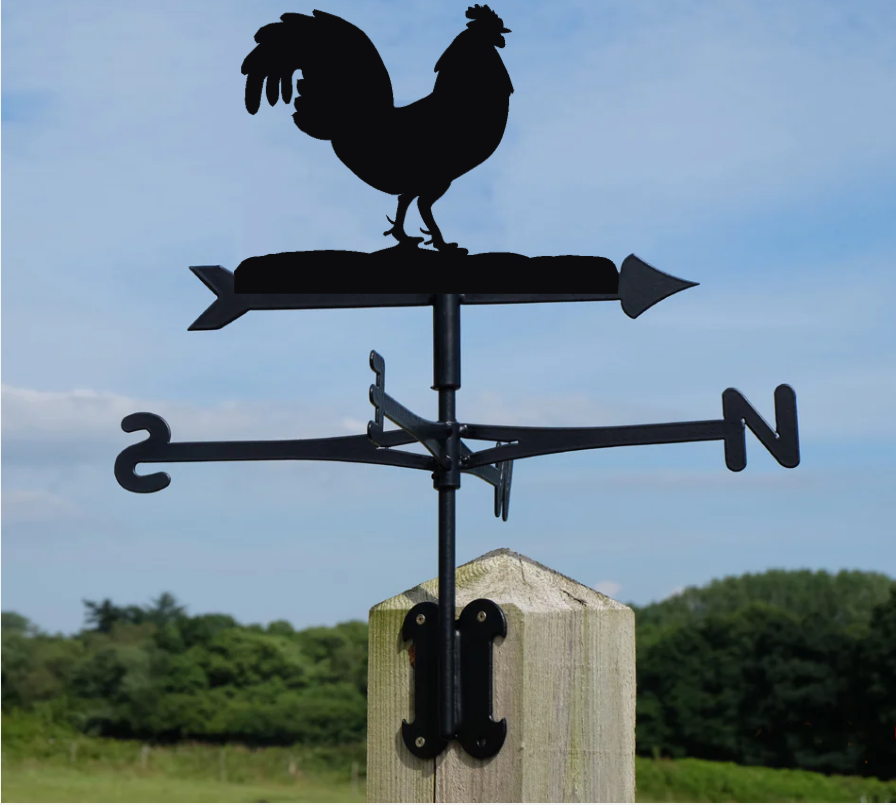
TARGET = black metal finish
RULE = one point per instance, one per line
(453, 658)
(446, 380)
(421, 627)
(479, 624)
(446, 342)
(157, 448)
(449, 710)
(638, 287)
(782, 442)
(429, 433)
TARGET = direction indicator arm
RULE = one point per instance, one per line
(638, 286)
(523, 441)
(431, 435)
(782, 442)
(157, 448)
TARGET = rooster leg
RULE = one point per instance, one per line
(404, 202)
(425, 203)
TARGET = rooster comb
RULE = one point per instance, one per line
(484, 14)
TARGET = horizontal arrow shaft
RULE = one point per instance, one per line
(782, 441)
(474, 300)
(638, 286)
(157, 448)
(536, 441)
(353, 448)
(294, 300)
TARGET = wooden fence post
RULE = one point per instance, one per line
(564, 678)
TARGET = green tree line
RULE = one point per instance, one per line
(158, 674)
(781, 669)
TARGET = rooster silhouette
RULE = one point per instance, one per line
(345, 96)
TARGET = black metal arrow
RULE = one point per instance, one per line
(638, 286)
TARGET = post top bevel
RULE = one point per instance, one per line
(508, 578)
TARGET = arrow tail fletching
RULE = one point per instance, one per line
(226, 308)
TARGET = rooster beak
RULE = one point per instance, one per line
(506, 31)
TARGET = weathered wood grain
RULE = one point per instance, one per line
(564, 679)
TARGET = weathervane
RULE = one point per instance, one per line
(453, 699)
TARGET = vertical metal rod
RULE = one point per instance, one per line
(448, 691)
(446, 379)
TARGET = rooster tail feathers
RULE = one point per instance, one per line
(342, 72)
(254, 85)
(286, 87)
(273, 60)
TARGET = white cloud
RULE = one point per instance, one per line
(64, 430)
(30, 507)
(84, 426)
(354, 426)
(608, 588)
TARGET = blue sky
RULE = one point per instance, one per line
(747, 145)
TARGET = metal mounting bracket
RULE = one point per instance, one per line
(432, 435)
(478, 733)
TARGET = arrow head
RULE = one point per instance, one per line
(642, 286)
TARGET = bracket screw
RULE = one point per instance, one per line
(421, 741)
(481, 617)
(421, 619)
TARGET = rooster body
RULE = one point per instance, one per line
(345, 96)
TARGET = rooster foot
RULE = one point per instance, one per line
(443, 246)
(404, 240)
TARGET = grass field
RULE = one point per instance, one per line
(658, 781)
(48, 783)
(702, 781)
(60, 765)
